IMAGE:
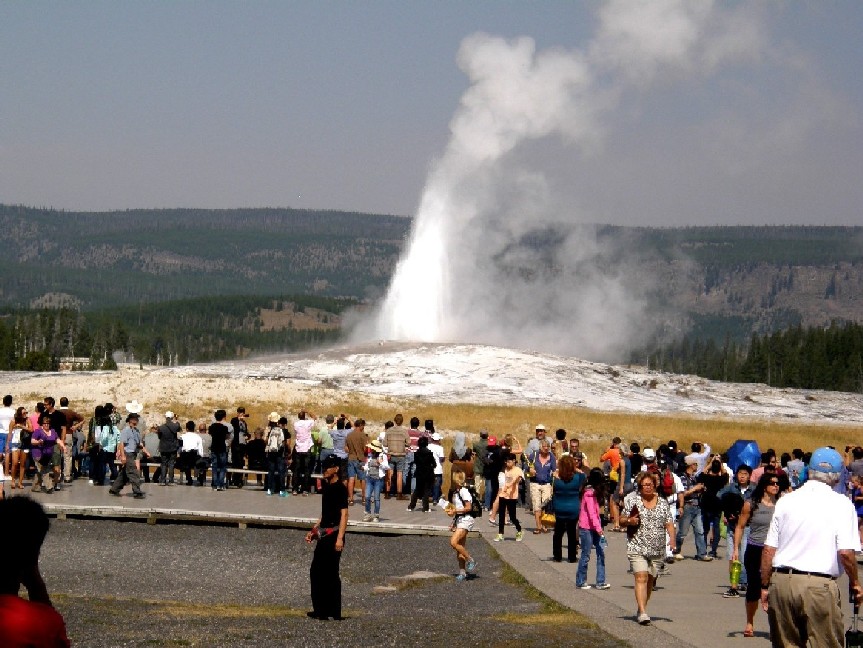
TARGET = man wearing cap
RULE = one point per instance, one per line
(128, 450)
(813, 535)
(689, 510)
(168, 444)
(533, 445)
(326, 584)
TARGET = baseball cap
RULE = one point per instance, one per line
(492, 441)
(826, 460)
(649, 454)
(540, 426)
(691, 460)
(169, 414)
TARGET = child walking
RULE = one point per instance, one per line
(507, 495)
(462, 524)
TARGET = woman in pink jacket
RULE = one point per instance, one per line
(590, 531)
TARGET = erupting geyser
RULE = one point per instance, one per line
(489, 260)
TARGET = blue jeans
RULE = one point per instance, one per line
(373, 489)
(691, 517)
(436, 488)
(220, 469)
(711, 521)
(275, 473)
(588, 538)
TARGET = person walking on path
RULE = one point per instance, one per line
(459, 509)
(647, 518)
(732, 499)
(507, 497)
(326, 584)
(755, 518)
(813, 535)
(590, 531)
(128, 450)
(542, 466)
(567, 502)
(689, 512)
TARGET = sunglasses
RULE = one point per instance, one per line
(773, 483)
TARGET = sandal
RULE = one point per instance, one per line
(749, 632)
(617, 529)
(537, 531)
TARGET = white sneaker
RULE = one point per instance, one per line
(376, 519)
(367, 517)
(584, 587)
(602, 586)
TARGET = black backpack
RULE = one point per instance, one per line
(475, 503)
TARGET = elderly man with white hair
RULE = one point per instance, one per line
(813, 535)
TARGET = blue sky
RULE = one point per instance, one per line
(113, 105)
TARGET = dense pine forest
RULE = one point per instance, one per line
(807, 358)
(203, 329)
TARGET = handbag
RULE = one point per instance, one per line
(548, 517)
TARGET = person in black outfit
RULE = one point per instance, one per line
(326, 584)
(424, 465)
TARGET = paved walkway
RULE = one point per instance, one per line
(687, 609)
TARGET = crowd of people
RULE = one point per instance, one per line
(655, 496)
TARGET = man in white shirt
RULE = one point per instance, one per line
(813, 535)
(437, 450)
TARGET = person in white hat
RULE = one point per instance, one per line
(375, 468)
(812, 538)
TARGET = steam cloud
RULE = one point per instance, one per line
(490, 258)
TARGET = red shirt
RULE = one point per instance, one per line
(24, 623)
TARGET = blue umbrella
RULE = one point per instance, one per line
(744, 452)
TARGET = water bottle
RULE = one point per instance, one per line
(734, 570)
(603, 542)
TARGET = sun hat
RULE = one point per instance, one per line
(376, 446)
(273, 417)
(436, 436)
(134, 407)
(826, 460)
(649, 454)
(540, 426)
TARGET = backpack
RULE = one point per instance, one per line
(666, 483)
(374, 468)
(275, 440)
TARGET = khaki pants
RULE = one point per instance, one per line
(67, 459)
(479, 484)
(805, 611)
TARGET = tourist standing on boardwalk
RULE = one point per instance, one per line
(567, 502)
(375, 469)
(220, 434)
(424, 463)
(590, 531)
(326, 584)
(128, 450)
(168, 433)
(813, 535)
(355, 444)
(459, 509)
(398, 443)
(755, 517)
(647, 518)
(44, 441)
(275, 449)
(304, 458)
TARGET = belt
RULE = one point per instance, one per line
(791, 570)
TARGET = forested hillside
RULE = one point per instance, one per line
(179, 332)
(717, 285)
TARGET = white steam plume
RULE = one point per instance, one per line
(488, 259)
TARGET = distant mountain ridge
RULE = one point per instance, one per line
(711, 281)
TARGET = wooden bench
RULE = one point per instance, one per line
(245, 472)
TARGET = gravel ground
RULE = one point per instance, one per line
(133, 584)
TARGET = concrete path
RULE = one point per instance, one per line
(687, 609)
